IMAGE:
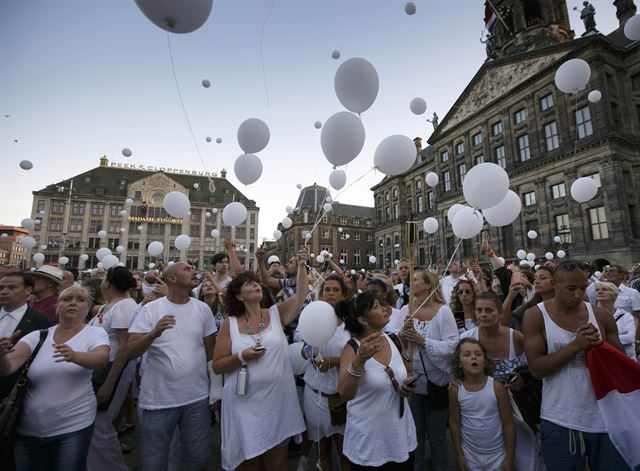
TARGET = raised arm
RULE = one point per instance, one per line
(236, 267)
(290, 309)
(12, 357)
(96, 358)
(266, 278)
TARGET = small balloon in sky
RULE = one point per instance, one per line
(26, 165)
(335, 54)
(219, 140)
(299, 186)
(196, 185)
(206, 83)
(127, 152)
(208, 139)
(418, 106)
(410, 8)
(317, 125)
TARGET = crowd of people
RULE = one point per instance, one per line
(481, 360)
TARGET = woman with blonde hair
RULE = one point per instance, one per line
(433, 331)
(463, 304)
(606, 294)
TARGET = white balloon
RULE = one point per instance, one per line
(548, 256)
(123, 212)
(467, 223)
(561, 254)
(103, 252)
(25, 165)
(340, 229)
(372, 259)
(28, 223)
(277, 234)
(418, 106)
(289, 209)
(196, 185)
(287, 222)
(234, 214)
(127, 152)
(102, 234)
(208, 139)
(320, 259)
(356, 84)
(532, 235)
(297, 360)
(317, 323)
(215, 233)
(557, 239)
(337, 178)
(328, 199)
(120, 248)
(248, 168)
(536, 268)
(522, 254)
(110, 261)
(207, 214)
(341, 261)
(480, 179)
(155, 248)
(43, 247)
(176, 204)
(37, 221)
(572, 76)
(63, 260)
(346, 236)
(253, 135)
(182, 242)
(597, 274)
(206, 83)
(151, 265)
(632, 28)
(324, 253)
(342, 138)
(28, 242)
(451, 213)
(395, 155)
(584, 189)
(122, 230)
(140, 227)
(327, 207)
(299, 186)
(335, 54)
(396, 262)
(38, 257)
(317, 125)
(502, 261)
(505, 212)
(128, 202)
(184, 16)
(84, 257)
(432, 179)
(99, 265)
(410, 8)
(532, 264)
(430, 225)
(531, 256)
(594, 96)
(214, 210)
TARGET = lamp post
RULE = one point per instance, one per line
(564, 232)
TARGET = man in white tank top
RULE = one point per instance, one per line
(557, 333)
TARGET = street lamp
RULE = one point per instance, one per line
(564, 232)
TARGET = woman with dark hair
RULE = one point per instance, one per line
(543, 285)
(463, 303)
(260, 410)
(112, 385)
(324, 410)
(136, 292)
(380, 286)
(375, 382)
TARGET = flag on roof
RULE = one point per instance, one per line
(490, 16)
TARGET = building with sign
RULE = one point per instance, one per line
(512, 114)
(72, 212)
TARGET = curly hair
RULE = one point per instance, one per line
(346, 291)
(456, 305)
(232, 305)
(456, 364)
(385, 283)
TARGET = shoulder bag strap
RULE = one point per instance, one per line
(22, 379)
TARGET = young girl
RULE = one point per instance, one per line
(482, 428)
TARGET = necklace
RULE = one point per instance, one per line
(257, 338)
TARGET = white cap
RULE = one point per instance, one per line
(273, 259)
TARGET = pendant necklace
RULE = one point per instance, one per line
(257, 338)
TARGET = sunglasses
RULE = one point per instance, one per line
(396, 386)
(465, 291)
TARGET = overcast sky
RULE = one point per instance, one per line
(85, 78)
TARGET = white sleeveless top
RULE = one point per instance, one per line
(328, 382)
(480, 424)
(270, 412)
(375, 433)
(568, 399)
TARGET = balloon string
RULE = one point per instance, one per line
(264, 75)
(186, 116)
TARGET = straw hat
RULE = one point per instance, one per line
(49, 272)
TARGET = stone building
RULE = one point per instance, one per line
(511, 113)
(347, 231)
(72, 212)
(11, 252)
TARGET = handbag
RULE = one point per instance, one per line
(11, 406)
(437, 396)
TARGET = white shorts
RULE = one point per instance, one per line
(483, 461)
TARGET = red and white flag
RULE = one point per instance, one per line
(616, 383)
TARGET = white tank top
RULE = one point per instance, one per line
(568, 399)
(480, 424)
(328, 382)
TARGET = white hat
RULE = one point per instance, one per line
(273, 259)
(49, 272)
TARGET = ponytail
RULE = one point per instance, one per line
(350, 309)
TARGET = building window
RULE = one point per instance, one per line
(369, 224)
(356, 257)
(40, 205)
(546, 102)
(155, 228)
(598, 218)
(462, 171)
(133, 228)
(420, 204)
(563, 227)
(520, 116)
(501, 158)
(57, 207)
(460, 148)
(194, 231)
(395, 191)
(476, 139)
(344, 256)
(196, 215)
(252, 218)
(343, 220)
(551, 136)
(444, 156)
(115, 209)
(94, 243)
(418, 184)
(386, 196)
(558, 191)
(305, 217)
(95, 226)
(430, 199)
(356, 222)
(325, 233)
(523, 148)
(530, 198)
(446, 180)
(114, 227)
(369, 238)
(496, 128)
(76, 225)
(479, 159)
(55, 224)
(77, 208)
(396, 211)
(325, 218)
(176, 230)
(583, 122)
(97, 209)
(356, 236)
(595, 177)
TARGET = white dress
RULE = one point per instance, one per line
(269, 412)
(316, 406)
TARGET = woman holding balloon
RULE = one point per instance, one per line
(260, 410)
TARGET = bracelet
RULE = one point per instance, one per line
(240, 357)
(353, 372)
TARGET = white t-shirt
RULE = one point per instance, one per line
(176, 362)
(118, 317)
(60, 397)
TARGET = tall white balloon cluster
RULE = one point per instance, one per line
(253, 136)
